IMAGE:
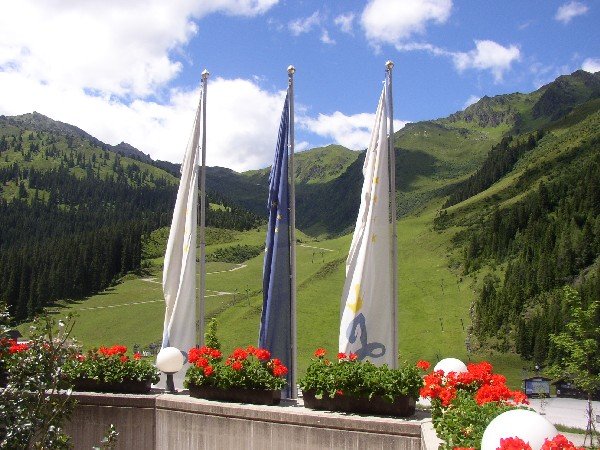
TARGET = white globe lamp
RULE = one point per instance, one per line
(448, 365)
(522, 423)
(170, 360)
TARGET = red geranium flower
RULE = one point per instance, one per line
(279, 370)
(18, 348)
(137, 356)
(341, 356)
(204, 350)
(193, 355)
(519, 397)
(202, 362)
(215, 353)
(446, 395)
(353, 356)
(208, 371)
(320, 352)
(263, 354)
(339, 392)
(240, 354)
(423, 365)
(559, 442)
(237, 365)
(513, 443)
(124, 358)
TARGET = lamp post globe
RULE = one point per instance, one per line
(170, 360)
(448, 365)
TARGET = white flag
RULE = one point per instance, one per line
(179, 273)
(366, 326)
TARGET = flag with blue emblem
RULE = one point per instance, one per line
(275, 324)
(367, 307)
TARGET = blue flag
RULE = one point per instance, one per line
(275, 322)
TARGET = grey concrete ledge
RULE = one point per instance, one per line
(294, 413)
(167, 421)
(117, 400)
(429, 439)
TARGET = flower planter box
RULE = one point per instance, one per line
(254, 396)
(401, 407)
(125, 387)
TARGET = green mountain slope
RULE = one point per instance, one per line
(314, 166)
(533, 231)
(432, 157)
(479, 279)
(73, 211)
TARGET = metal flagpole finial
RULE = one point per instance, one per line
(205, 74)
(389, 65)
(291, 70)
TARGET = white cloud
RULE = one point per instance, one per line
(544, 74)
(391, 21)
(242, 119)
(488, 55)
(591, 65)
(325, 38)
(471, 100)
(570, 10)
(101, 65)
(301, 26)
(301, 146)
(345, 22)
(353, 131)
(111, 47)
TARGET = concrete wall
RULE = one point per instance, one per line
(133, 415)
(163, 421)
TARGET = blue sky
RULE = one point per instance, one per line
(130, 71)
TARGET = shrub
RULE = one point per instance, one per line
(110, 365)
(32, 412)
(463, 404)
(349, 376)
(250, 368)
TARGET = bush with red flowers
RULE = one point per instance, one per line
(463, 404)
(32, 415)
(9, 350)
(245, 368)
(514, 443)
(559, 442)
(110, 365)
(351, 377)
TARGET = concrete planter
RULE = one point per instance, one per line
(253, 396)
(126, 386)
(401, 406)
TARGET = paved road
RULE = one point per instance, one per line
(567, 411)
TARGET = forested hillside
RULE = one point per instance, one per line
(73, 211)
(534, 231)
(434, 158)
(518, 176)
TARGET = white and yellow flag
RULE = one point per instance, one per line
(366, 326)
(179, 273)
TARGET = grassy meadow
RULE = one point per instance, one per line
(434, 301)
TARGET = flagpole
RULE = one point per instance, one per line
(392, 162)
(202, 290)
(294, 387)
